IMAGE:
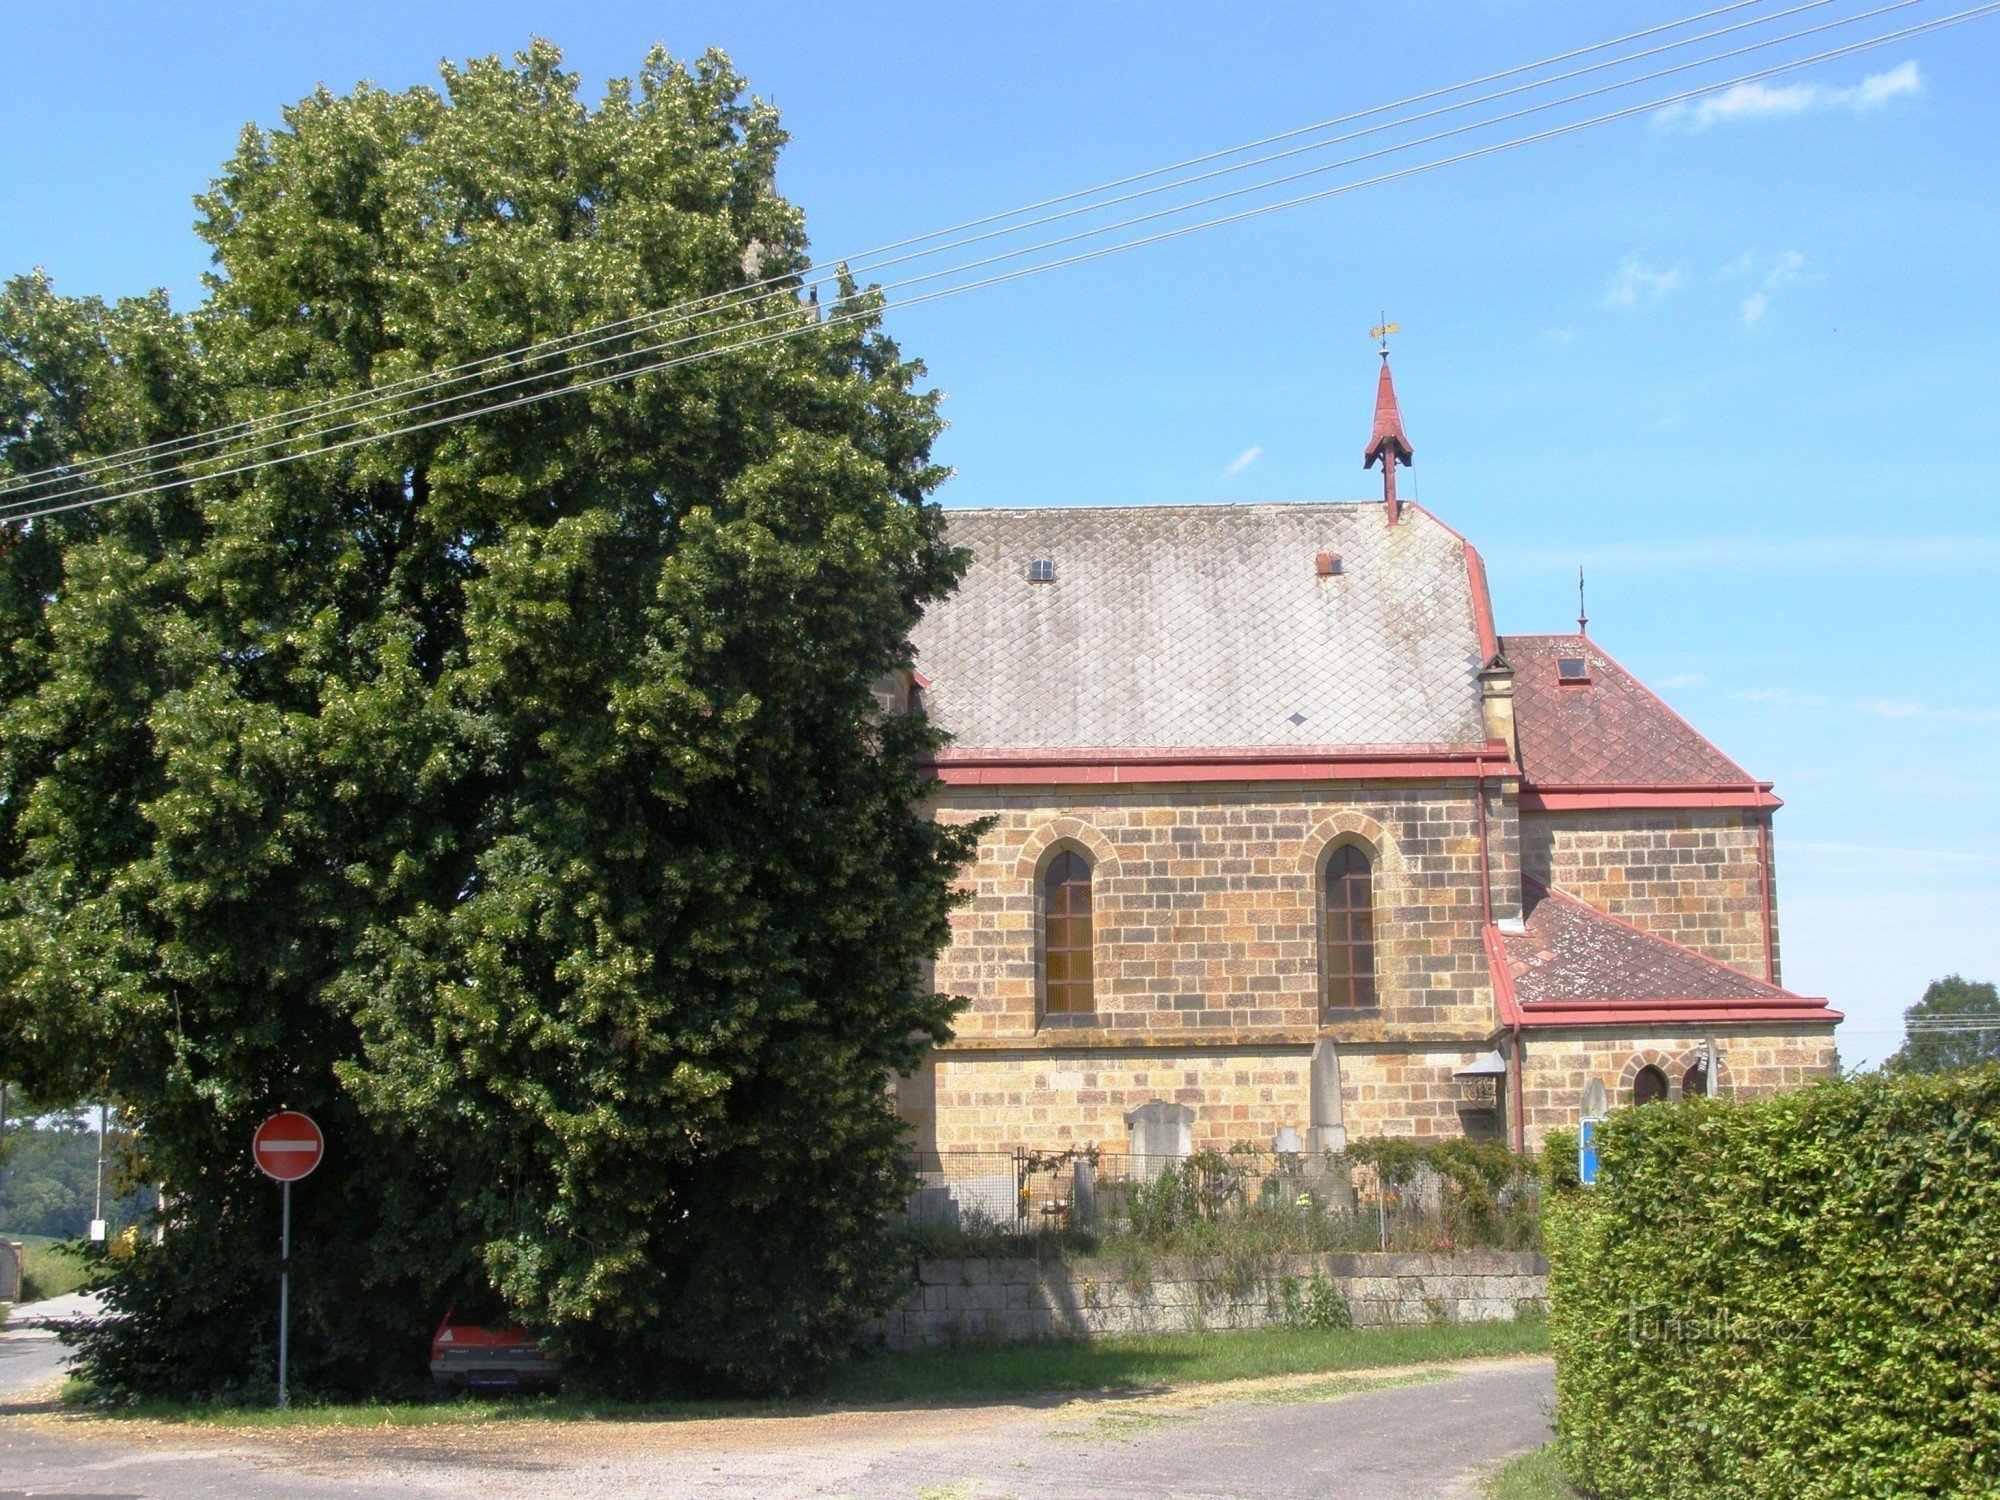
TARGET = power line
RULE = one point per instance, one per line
(791, 309)
(70, 479)
(802, 327)
(638, 322)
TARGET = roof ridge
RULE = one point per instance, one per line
(1091, 506)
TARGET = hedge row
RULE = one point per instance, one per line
(1798, 1297)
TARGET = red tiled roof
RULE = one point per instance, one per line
(1610, 731)
(1573, 952)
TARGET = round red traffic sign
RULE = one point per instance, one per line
(287, 1146)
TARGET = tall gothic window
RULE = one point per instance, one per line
(1347, 930)
(1066, 937)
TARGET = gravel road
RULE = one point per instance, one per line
(1411, 1435)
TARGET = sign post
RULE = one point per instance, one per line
(286, 1147)
(1595, 1107)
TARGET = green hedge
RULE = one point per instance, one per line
(1798, 1297)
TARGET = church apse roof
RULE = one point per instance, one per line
(1204, 626)
(1602, 728)
(1569, 964)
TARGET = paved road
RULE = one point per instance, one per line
(1415, 1441)
(31, 1357)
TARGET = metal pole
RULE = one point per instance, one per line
(284, 1293)
(97, 1199)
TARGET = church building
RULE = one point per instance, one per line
(1285, 833)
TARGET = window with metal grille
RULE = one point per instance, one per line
(1066, 937)
(1347, 929)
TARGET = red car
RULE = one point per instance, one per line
(469, 1352)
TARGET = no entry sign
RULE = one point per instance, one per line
(287, 1146)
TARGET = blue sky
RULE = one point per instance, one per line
(1740, 362)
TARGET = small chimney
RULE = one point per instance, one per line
(1327, 564)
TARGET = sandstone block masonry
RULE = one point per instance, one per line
(1754, 1061)
(1205, 902)
(1693, 876)
(1019, 1301)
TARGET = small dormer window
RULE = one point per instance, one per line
(1042, 570)
(1572, 669)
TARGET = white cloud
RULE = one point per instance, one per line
(1957, 552)
(1749, 101)
(1786, 268)
(1910, 708)
(1784, 696)
(1635, 284)
(1878, 708)
(1243, 461)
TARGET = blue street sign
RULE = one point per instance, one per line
(1586, 1150)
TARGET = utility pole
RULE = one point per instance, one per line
(97, 1197)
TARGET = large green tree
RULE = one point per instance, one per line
(511, 794)
(1970, 1013)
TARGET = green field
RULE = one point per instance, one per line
(1128, 1364)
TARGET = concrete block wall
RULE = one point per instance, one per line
(1019, 1301)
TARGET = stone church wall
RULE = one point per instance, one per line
(1205, 905)
(994, 1099)
(1754, 1063)
(1691, 876)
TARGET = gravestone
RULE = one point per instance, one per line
(1326, 1131)
(1161, 1134)
(1083, 1191)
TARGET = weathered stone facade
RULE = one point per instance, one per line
(1017, 1301)
(1354, 863)
(1694, 876)
(1753, 1061)
(1206, 907)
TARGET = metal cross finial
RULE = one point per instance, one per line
(1582, 619)
(1382, 331)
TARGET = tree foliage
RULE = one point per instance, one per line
(510, 796)
(1949, 999)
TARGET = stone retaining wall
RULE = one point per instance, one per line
(1018, 1301)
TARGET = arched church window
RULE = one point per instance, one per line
(1650, 1087)
(1347, 929)
(1067, 975)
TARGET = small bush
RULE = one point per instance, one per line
(1325, 1308)
(1796, 1299)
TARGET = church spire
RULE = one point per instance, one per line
(1387, 443)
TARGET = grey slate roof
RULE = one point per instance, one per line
(1173, 627)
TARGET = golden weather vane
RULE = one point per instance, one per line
(1382, 331)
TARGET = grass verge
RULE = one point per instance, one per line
(1532, 1476)
(49, 1268)
(930, 1379)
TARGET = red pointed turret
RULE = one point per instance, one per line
(1388, 443)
